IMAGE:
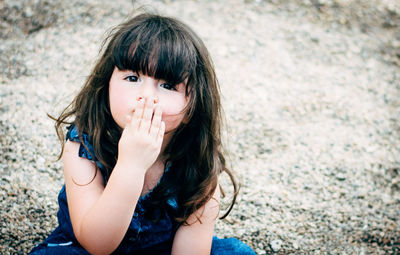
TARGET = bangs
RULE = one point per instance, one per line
(155, 48)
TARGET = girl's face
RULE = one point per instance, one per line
(127, 87)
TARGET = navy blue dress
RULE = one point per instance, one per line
(144, 236)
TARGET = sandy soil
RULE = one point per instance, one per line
(311, 96)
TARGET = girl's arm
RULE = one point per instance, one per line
(196, 238)
(101, 215)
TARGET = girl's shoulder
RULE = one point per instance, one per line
(86, 149)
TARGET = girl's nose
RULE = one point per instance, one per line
(155, 99)
(148, 90)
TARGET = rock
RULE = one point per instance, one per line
(276, 245)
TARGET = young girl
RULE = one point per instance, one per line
(143, 153)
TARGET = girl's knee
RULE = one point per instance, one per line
(230, 246)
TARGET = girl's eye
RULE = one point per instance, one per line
(132, 78)
(168, 86)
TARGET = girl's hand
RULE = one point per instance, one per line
(141, 140)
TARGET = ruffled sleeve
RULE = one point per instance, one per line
(86, 148)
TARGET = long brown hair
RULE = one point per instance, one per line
(164, 48)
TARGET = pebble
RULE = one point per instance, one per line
(276, 245)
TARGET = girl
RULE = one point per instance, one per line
(143, 153)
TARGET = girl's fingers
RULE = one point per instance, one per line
(161, 132)
(156, 122)
(129, 118)
(147, 115)
(137, 114)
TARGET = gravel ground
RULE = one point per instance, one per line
(311, 96)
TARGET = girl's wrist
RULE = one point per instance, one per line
(130, 168)
(129, 180)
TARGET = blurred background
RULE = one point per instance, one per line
(311, 97)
